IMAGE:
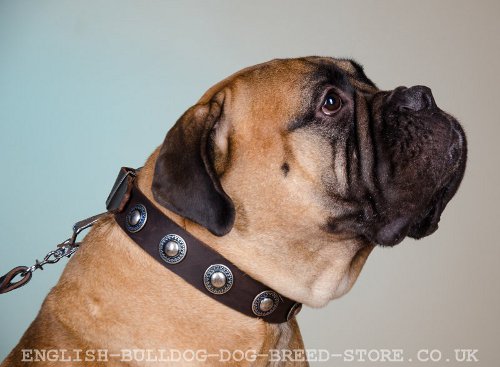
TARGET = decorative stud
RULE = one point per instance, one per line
(294, 311)
(265, 303)
(136, 218)
(218, 279)
(172, 249)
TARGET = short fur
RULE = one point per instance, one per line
(258, 172)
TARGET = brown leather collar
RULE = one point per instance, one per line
(191, 259)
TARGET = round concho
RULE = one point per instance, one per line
(218, 279)
(172, 249)
(265, 303)
(136, 218)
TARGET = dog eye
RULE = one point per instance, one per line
(332, 104)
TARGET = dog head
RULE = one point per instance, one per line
(310, 149)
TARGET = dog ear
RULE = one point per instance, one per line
(185, 178)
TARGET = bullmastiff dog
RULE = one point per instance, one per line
(293, 170)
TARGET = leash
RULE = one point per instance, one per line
(21, 275)
(8, 282)
(177, 250)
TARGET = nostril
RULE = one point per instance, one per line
(405, 108)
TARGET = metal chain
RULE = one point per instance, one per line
(8, 282)
(64, 249)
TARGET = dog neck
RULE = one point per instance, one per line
(192, 260)
(319, 271)
(132, 301)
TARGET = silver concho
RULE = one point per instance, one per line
(265, 303)
(172, 248)
(294, 311)
(136, 218)
(218, 279)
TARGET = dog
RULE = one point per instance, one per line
(293, 170)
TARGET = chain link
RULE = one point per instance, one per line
(64, 249)
(11, 281)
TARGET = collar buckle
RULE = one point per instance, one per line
(120, 193)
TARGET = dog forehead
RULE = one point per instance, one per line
(266, 75)
(262, 98)
(291, 75)
(352, 70)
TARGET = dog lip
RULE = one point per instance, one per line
(388, 212)
(456, 151)
(457, 144)
(392, 233)
(420, 218)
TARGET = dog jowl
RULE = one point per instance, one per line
(420, 163)
(405, 159)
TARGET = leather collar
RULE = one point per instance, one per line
(191, 259)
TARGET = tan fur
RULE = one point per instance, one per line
(114, 296)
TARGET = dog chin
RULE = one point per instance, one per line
(341, 278)
(353, 271)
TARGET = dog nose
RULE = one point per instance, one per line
(416, 98)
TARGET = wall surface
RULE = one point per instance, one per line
(88, 86)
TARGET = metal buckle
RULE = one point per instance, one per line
(120, 188)
(11, 281)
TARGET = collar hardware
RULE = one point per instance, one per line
(172, 249)
(200, 266)
(203, 268)
(218, 279)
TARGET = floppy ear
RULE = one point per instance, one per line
(185, 180)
